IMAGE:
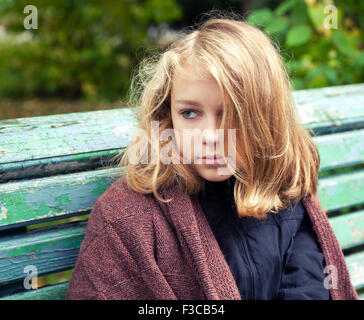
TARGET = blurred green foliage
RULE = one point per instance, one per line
(316, 54)
(90, 48)
(80, 49)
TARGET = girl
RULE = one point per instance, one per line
(227, 212)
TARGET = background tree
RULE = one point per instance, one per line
(80, 49)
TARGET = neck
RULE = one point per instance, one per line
(219, 189)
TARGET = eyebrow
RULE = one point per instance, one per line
(189, 102)
(192, 103)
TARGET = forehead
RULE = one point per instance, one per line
(192, 71)
(193, 82)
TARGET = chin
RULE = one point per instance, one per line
(212, 174)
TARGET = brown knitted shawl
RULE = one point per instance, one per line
(137, 247)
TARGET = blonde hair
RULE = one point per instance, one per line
(277, 159)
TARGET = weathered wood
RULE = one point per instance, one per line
(53, 292)
(355, 263)
(349, 145)
(331, 109)
(29, 201)
(58, 143)
(51, 250)
(56, 248)
(341, 190)
(42, 137)
(349, 229)
(58, 292)
(63, 164)
(62, 143)
(361, 295)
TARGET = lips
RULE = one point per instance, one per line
(212, 157)
(212, 161)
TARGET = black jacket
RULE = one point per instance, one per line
(275, 258)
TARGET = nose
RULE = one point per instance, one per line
(210, 134)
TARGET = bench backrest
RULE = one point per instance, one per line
(55, 167)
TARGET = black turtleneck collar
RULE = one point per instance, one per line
(218, 190)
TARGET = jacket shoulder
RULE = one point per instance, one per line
(122, 201)
(293, 216)
(119, 240)
(119, 203)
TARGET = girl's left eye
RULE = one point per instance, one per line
(188, 112)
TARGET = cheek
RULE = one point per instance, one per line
(177, 129)
(185, 144)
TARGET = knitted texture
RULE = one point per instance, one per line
(342, 289)
(137, 247)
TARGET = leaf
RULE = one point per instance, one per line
(318, 82)
(343, 44)
(299, 13)
(298, 83)
(298, 35)
(260, 17)
(360, 59)
(317, 15)
(164, 10)
(284, 7)
(276, 25)
(322, 71)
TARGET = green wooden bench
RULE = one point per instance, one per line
(55, 167)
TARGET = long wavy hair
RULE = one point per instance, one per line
(277, 160)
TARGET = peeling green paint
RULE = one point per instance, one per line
(49, 250)
(55, 292)
(54, 196)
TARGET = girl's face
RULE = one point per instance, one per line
(196, 103)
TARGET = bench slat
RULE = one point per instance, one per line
(30, 145)
(58, 292)
(53, 292)
(349, 145)
(331, 109)
(45, 167)
(341, 190)
(333, 91)
(51, 250)
(42, 137)
(361, 295)
(355, 263)
(56, 249)
(349, 229)
(29, 201)
(46, 145)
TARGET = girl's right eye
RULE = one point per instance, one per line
(188, 113)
